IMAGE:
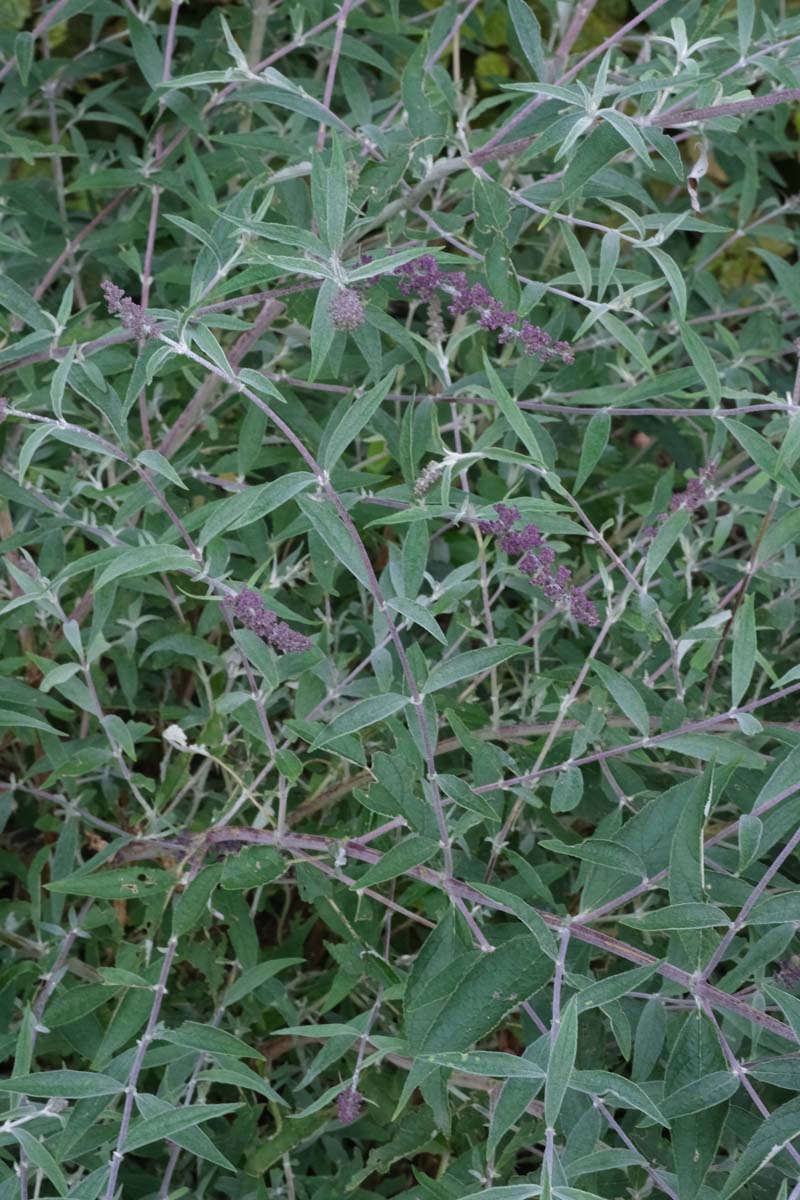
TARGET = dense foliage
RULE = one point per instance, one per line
(398, 686)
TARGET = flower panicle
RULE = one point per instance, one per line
(424, 277)
(697, 493)
(537, 560)
(133, 317)
(249, 609)
(348, 1105)
(428, 476)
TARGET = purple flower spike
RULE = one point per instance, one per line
(348, 1105)
(346, 310)
(423, 277)
(698, 492)
(536, 560)
(132, 315)
(248, 608)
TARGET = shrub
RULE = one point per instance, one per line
(401, 788)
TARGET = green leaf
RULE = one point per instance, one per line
(708, 747)
(701, 357)
(193, 904)
(561, 1063)
(775, 910)
(418, 616)
(606, 991)
(611, 855)
(252, 867)
(208, 345)
(695, 1054)
(763, 454)
(17, 301)
(237, 1074)
(40, 1157)
(700, 1094)
(194, 1140)
(23, 51)
(593, 153)
(123, 883)
(663, 542)
(627, 129)
(595, 440)
(750, 830)
(690, 915)
(771, 1135)
(359, 715)
(627, 1093)
(672, 274)
(488, 1063)
(744, 651)
(165, 1124)
(406, 854)
(471, 995)
(251, 505)
(526, 913)
(162, 466)
(568, 790)
(208, 1040)
(353, 421)
(514, 415)
(625, 695)
(789, 1005)
(146, 560)
(59, 382)
(331, 529)
(18, 720)
(74, 1085)
(254, 977)
(469, 664)
(529, 34)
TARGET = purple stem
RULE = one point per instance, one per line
(643, 743)
(136, 1067)
(300, 843)
(648, 884)
(341, 24)
(734, 108)
(741, 1074)
(746, 908)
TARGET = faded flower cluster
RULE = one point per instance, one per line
(348, 1105)
(133, 317)
(346, 310)
(249, 609)
(424, 277)
(536, 560)
(696, 494)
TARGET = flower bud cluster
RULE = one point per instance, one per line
(133, 317)
(249, 609)
(424, 277)
(696, 494)
(537, 560)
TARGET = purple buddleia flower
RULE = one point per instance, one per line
(133, 317)
(249, 609)
(346, 310)
(348, 1105)
(788, 972)
(537, 560)
(423, 277)
(698, 492)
